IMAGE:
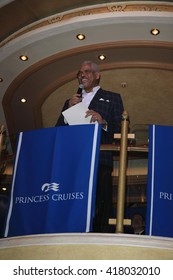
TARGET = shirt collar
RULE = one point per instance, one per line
(94, 90)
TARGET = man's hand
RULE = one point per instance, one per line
(95, 117)
(76, 98)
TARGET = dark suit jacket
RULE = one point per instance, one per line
(110, 106)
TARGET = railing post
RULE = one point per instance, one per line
(122, 174)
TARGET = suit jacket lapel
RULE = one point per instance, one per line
(98, 95)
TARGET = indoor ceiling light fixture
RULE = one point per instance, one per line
(80, 36)
(24, 57)
(23, 100)
(1, 80)
(102, 57)
(155, 31)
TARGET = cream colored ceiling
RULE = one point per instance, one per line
(46, 32)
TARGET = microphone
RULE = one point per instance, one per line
(80, 88)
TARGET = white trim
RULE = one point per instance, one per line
(152, 179)
(90, 189)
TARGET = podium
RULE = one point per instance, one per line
(54, 178)
(159, 187)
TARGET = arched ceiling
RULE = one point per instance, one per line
(46, 32)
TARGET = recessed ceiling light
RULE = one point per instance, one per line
(4, 189)
(155, 31)
(102, 57)
(80, 36)
(23, 100)
(24, 57)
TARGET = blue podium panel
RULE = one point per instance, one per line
(54, 181)
(160, 182)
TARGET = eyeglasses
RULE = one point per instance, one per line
(85, 72)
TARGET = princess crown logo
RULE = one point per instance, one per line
(52, 186)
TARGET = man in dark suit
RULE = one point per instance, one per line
(106, 108)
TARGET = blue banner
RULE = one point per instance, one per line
(54, 181)
(160, 182)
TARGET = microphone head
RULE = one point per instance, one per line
(81, 86)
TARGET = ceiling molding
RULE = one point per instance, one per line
(124, 7)
(103, 66)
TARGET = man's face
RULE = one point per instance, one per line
(88, 77)
(137, 222)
